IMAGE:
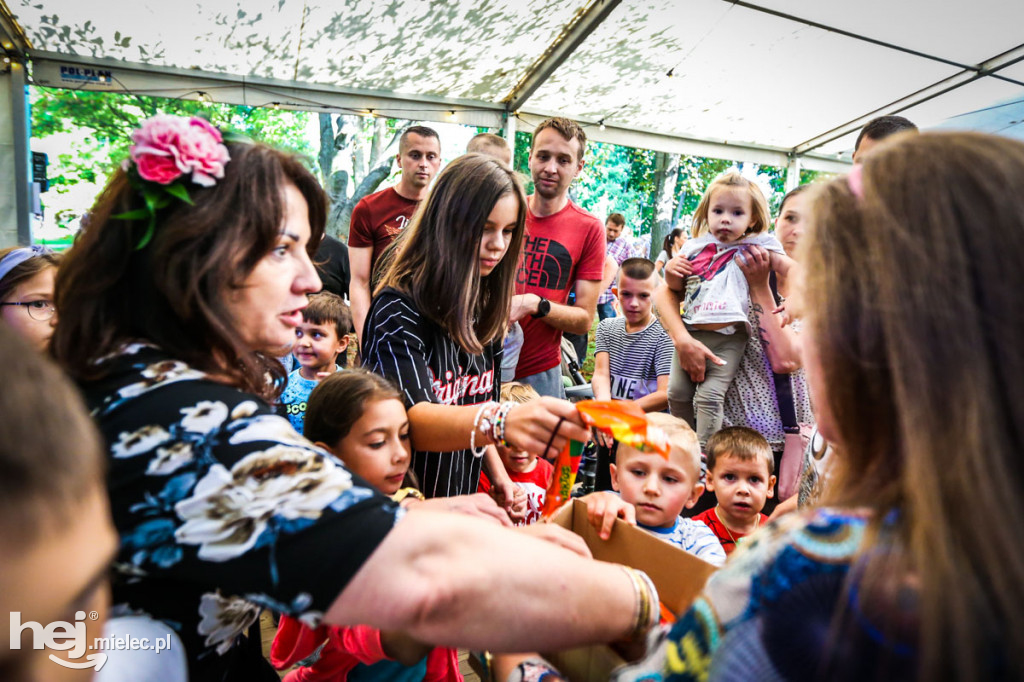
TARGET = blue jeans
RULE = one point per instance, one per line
(605, 310)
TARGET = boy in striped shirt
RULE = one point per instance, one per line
(633, 353)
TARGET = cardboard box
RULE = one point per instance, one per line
(679, 577)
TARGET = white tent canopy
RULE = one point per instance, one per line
(782, 82)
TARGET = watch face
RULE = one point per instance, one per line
(543, 308)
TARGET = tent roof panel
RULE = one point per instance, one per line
(474, 50)
(739, 75)
(742, 75)
(987, 105)
(968, 33)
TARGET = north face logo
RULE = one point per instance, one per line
(546, 263)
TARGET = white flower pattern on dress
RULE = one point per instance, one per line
(208, 473)
(205, 416)
(170, 459)
(162, 372)
(229, 510)
(224, 619)
(244, 409)
(139, 442)
(271, 427)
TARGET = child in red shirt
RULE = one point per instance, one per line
(741, 474)
(531, 474)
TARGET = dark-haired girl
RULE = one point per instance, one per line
(436, 326)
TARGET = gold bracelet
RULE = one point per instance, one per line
(407, 492)
(653, 602)
(638, 595)
(647, 613)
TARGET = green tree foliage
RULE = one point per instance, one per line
(655, 191)
(630, 181)
(107, 120)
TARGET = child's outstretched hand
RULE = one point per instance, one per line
(602, 510)
(511, 498)
(517, 508)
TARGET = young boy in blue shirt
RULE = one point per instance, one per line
(319, 340)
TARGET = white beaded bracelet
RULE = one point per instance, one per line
(478, 452)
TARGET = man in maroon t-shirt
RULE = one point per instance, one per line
(564, 246)
(378, 218)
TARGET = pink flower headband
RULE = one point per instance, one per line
(169, 150)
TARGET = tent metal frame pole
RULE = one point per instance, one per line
(166, 81)
(14, 44)
(19, 130)
(572, 36)
(510, 131)
(677, 144)
(793, 173)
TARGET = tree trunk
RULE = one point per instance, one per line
(327, 149)
(340, 215)
(667, 175)
(378, 146)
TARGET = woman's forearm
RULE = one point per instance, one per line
(667, 303)
(441, 428)
(453, 580)
(781, 344)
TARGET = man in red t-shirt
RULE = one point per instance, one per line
(378, 218)
(564, 246)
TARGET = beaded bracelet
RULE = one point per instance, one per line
(478, 452)
(500, 421)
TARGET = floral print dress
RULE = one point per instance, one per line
(223, 509)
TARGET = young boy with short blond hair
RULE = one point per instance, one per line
(741, 474)
(657, 489)
(319, 340)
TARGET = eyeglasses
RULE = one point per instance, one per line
(37, 310)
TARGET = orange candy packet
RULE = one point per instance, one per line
(626, 423)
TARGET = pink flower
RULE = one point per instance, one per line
(167, 147)
(155, 149)
(201, 151)
(157, 168)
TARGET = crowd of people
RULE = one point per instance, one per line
(190, 418)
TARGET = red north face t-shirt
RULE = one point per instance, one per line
(560, 249)
(377, 219)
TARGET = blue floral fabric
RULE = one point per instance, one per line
(222, 508)
(768, 613)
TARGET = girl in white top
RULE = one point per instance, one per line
(669, 248)
(731, 215)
